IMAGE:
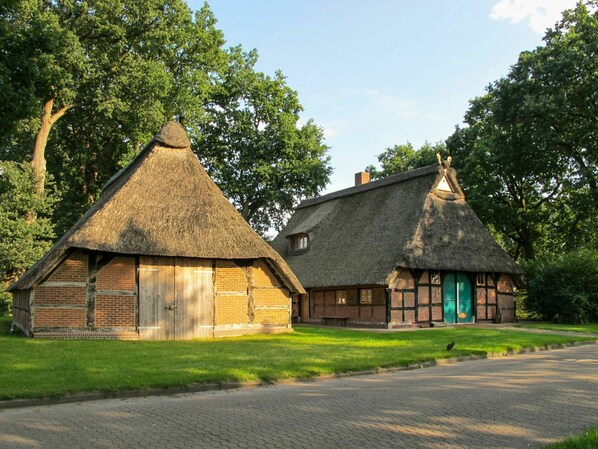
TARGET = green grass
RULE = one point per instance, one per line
(587, 328)
(44, 367)
(587, 440)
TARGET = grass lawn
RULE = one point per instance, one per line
(45, 367)
(587, 328)
(587, 440)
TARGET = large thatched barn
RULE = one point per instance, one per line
(161, 255)
(404, 250)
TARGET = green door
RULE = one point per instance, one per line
(457, 298)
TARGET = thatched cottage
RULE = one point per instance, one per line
(404, 250)
(161, 255)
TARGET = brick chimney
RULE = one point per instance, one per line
(363, 177)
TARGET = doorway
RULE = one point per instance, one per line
(176, 300)
(457, 298)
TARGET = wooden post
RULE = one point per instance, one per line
(92, 269)
(250, 294)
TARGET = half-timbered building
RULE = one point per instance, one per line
(403, 250)
(162, 254)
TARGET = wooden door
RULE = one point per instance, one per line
(194, 299)
(457, 298)
(176, 299)
(156, 298)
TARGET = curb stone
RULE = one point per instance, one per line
(223, 386)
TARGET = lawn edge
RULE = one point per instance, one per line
(218, 386)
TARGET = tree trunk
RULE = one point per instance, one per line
(38, 162)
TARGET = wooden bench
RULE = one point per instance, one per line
(342, 320)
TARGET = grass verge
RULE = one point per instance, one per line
(587, 440)
(586, 328)
(33, 368)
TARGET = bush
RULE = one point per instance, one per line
(565, 289)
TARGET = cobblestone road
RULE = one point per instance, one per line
(523, 401)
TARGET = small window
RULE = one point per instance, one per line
(365, 296)
(435, 277)
(299, 242)
(481, 280)
(341, 296)
(444, 185)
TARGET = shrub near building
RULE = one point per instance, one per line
(565, 289)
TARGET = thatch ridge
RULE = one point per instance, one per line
(358, 236)
(163, 204)
(400, 177)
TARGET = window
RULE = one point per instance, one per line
(341, 296)
(444, 185)
(299, 242)
(365, 296)
(481, 280)
(435, 277)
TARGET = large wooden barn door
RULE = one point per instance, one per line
(457, 298)
(156, 298)
(176, 298)
(194, 314)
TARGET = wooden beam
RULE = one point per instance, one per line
(92, 271)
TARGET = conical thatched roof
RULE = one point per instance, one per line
(163, 204)
(358, 236)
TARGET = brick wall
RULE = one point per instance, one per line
(115, 294)
(485, 294)
(119, 274)
(60, 301)
(60, 317)
(271, 301)
(115, 311)
(249, 295)
(231, 299)
(73, 269)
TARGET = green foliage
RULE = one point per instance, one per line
(401, 158)
(587, 440)
(45, 367)
(255, 149)
(125, 67)
(527, 156)
(564, 289)
(22, 240)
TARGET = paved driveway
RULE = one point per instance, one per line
(518, 402)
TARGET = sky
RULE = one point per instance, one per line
(377, 73)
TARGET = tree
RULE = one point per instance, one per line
(527, 155)
(401, 158)
(22, 241)
(255, 149)
(103, 76)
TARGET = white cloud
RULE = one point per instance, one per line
(540, 14)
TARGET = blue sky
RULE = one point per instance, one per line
(375, 73)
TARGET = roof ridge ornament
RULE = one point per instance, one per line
(173, 135)
(444, 164)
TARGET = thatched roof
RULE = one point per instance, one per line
(163, 204)
(359, 235)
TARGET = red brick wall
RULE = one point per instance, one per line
(115, 290)
(73, 269)
(119, 274)
(60, 317)
(59, 295)
(115, 311)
